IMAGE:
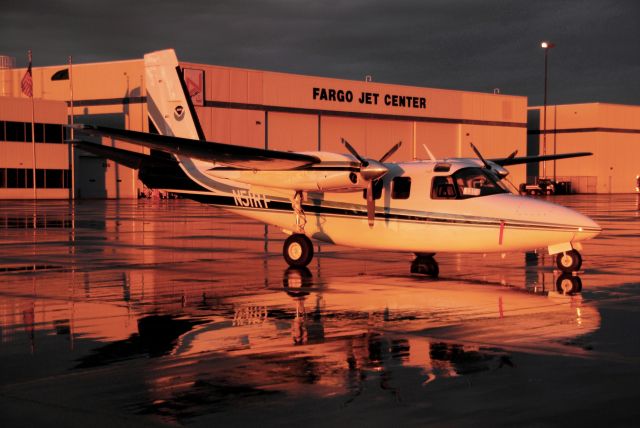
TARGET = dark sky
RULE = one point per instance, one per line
(472, 45)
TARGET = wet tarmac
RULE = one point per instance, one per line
(173, 313)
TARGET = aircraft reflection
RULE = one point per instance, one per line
(326, 338)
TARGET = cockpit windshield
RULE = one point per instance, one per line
(467, 183)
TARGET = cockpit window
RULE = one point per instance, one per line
(443, 188)
(467, 183)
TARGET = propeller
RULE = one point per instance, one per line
(475, 149)
(492, 166)
(391, 151)
(371, 170)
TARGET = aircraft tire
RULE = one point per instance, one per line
(297, 281)
(297, 250)
(568, 262)
(568, 284)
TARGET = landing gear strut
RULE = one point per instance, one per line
(425, 264)
(298, 249)
(569, 261)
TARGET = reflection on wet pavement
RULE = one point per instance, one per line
(170, 311)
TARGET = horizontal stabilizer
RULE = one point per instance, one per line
(124, 157)
(226, 154)
(529, 159)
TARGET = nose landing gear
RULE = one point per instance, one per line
(569, 261)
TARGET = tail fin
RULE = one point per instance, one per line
(168, 101)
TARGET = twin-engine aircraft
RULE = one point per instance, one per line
(422, 207)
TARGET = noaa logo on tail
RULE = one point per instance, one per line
(178, 112)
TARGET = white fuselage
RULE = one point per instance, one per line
(421, 223)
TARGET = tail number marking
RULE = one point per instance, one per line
(245, 198)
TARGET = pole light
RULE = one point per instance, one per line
(546, 45)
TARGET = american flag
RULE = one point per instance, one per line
(27, 82)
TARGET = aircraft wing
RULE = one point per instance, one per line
(125, 157)
(229, 155)
(529, 159)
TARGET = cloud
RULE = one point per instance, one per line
(456, 44)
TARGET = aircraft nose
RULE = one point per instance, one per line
(561, 217)
(583, 226)
(586, 227)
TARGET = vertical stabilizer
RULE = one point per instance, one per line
(170, 107)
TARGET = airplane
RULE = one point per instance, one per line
(461, 205)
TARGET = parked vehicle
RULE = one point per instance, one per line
(546, 186)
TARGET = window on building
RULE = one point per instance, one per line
(21, 132)
(55, 179)
(377, 190)
(39, 134)
(19, 178)
(40, 176)
(22, 178)
(15, 131)
(53, 133)
(401, 188)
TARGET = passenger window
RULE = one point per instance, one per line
(401, 188)
(377, 190)
(443, 188)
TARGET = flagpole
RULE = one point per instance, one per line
(33, 132)
(72, 190)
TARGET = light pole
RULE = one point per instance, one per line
(546, 45)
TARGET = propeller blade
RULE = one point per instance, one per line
(391, 151)
(371, 205)
(362, 160)
(512, 155)
(475, 149)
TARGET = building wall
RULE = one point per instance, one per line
(284, 111)
(610, 131)
(17, 157)
(110, 94)
(287, 112)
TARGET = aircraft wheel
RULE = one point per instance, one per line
(568, 284)
(425, 265)
(297, 281)
(297, 250)
(569, 261)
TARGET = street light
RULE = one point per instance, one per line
(546, 45)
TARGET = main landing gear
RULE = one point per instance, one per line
(298, 249)
(425, 264)
(569, 261)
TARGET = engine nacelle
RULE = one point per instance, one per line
(342, 181)
(307, 181)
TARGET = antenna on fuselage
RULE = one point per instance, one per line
(431, 156)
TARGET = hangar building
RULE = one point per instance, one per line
(610, 131)
(295, 112)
